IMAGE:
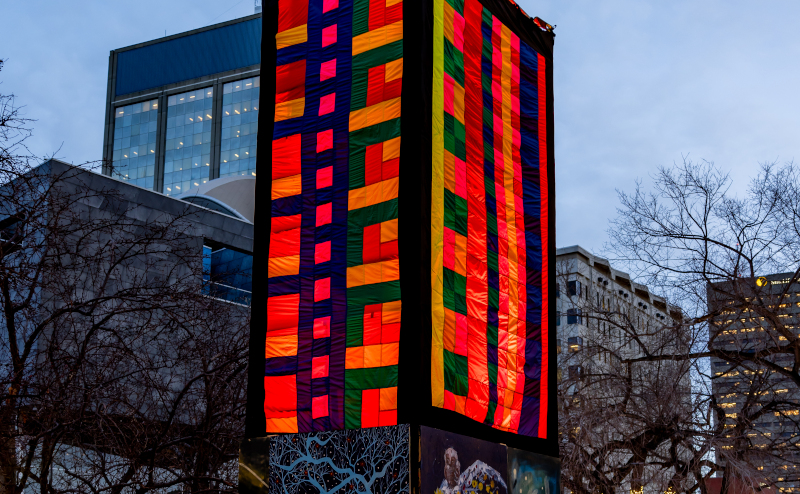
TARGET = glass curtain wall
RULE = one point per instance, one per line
(239, 127)
(187, 160)
(134, 157)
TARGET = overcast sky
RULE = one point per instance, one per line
(637, 84)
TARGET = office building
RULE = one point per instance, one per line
(757, 315)
(183, 110)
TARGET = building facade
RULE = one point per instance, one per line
(183, 110)
(757, 315)
(589, 285)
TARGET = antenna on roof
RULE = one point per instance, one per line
(257, 6)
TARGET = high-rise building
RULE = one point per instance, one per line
(758, 315)
(183, 110)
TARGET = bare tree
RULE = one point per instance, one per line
(704, 248)
(121, 367)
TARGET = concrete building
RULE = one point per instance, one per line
(740, 325)
(587, 284)
(183, 110)
(604, 317)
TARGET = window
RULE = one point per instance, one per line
(187, 159)
(239, 127)
(134, 156)
(574, 288)
(575, 372)
(228, 274)
(575, 343)
(573, 316)
(558, 318)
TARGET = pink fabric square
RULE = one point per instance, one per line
(328, 5)
(322, 327)
(458, 30)
(322, 289)
(324, 140)
(328, 35)
(324, 213)
(324, 177)
(461, 334)
(328, 70)
(319, 406)
(322, 252)
(327, 104)
(449, 249)
(319, 367)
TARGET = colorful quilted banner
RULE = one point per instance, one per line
(490, 228)
(333, 301)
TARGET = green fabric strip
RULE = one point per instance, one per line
(352, 408)
(360, 17)
(372, 378)
(453, 62)
(456, 373)
(455, 212)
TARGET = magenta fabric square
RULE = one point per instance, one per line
(328, 35)
(324, 140)
(327, 70)
(327, 104)
(328, 5)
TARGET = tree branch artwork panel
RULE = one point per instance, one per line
(367, 461)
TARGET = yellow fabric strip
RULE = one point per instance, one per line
(373, 115)
(376, 272)
(290, 109)
(293, 36)
(437, 209)
(373, 194)
(394, 70)
(378, 37)
(389, 3)
(287, 186)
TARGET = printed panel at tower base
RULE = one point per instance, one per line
(490, 221)
(370, 461)
(455, 464)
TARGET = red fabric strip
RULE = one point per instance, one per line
(375, 84)
(377, 14)
(545, 224)
(477, 280)
(372, 164)
(290, 81)
(371, 251)
(292, 13)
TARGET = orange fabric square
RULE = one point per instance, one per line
(389, 398)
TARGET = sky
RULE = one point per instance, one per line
(637, 85)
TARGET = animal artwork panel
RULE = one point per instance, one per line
(456, 464)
